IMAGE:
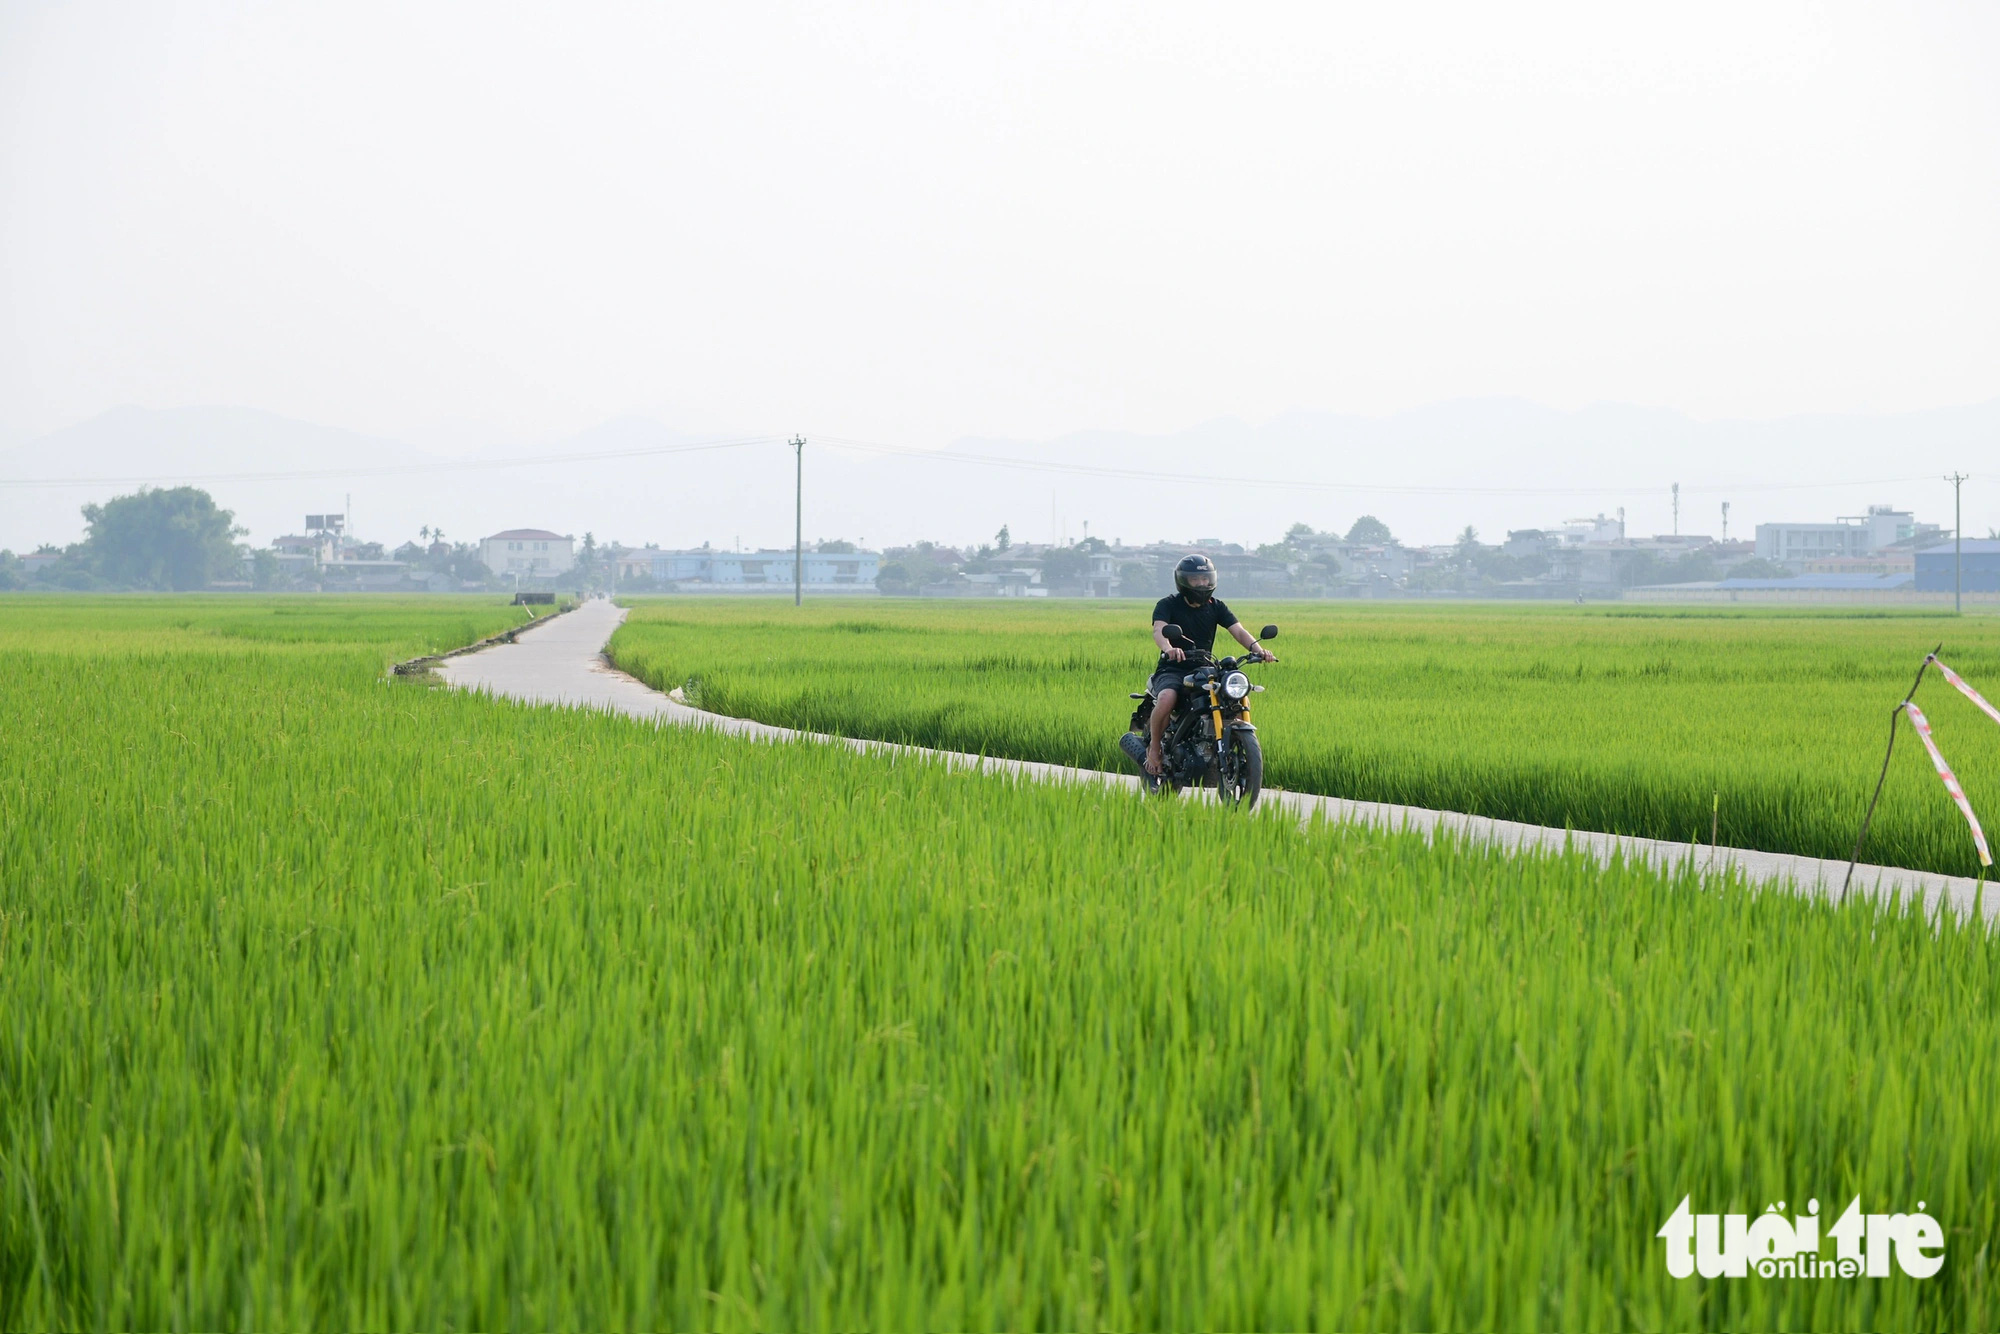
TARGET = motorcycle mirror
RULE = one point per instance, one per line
(1268, 632)
(1173, 632)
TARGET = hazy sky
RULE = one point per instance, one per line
(914, 222)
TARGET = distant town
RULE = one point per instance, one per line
(1886, 554)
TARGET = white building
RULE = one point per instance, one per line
(1845, 538)
(706, 569)
(1888, 526)
(1796, 543)
(1593, 532)
(531, 553)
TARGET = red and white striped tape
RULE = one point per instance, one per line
(1923, 726)
(1967, 690)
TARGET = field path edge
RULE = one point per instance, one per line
(562, 662)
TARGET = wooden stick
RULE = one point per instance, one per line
(1895, 716)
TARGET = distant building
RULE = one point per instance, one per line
(1893, 561)
(531, 553)
(1825, 547)
(1820, 583)
(1100, 577)
(1833, 588)
(1243, 576)
(326, 551)
(1523, 542)
(1595, 567)
(312, 547)
(637, 564)
(1981, 557)
(705, 569)
(1890, 527)
(1376, 568)
(1800, 543)
(1592, 532)
(1019, 582)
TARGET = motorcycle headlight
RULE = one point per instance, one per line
(1236, 685)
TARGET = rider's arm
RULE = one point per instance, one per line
(1247, 640)
(1160, 638)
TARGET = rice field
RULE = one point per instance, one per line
(326, 1001)
(1762, 728)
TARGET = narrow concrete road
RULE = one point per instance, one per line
(563, 663)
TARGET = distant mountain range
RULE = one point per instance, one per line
(1492, 463)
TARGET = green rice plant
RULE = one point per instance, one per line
(326, 1001)
(392, 629)
(1762, 728)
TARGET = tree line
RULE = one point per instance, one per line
(171, 539)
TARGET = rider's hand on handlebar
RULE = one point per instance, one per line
(1174, 654)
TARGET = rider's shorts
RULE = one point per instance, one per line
(1165, 681)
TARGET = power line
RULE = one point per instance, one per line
(1957, 480)
(1294, 484)
(930, 455)
(798, 444)
(391, 470)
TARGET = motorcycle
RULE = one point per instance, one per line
(1210, 742)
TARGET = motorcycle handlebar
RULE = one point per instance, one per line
(1222, 665)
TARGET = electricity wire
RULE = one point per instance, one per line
(1294, 484)
(392, 470)
(882, 450)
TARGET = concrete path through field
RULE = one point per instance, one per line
(563, 663)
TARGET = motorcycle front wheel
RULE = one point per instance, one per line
(1239, 770)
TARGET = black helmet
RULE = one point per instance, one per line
(1195, 577)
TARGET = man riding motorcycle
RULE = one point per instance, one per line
(1199, 613)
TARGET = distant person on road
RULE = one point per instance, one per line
(1199, 613)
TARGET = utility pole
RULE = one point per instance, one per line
(1677, 509)
(1725, 521)
(1957, 481)
(799, 524)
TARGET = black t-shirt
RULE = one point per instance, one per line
(1197, 623)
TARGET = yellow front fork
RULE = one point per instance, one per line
(1215, 712)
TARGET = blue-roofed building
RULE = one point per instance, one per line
(1981, 568)
(1822, 583)
(1801, 588)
